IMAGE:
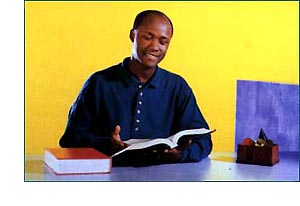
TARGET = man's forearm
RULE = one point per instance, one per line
(198, 150)
(71, 139)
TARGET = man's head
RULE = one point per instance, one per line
(151, 34)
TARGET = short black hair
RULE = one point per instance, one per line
(142, 15)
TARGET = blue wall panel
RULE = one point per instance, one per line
(273, 107)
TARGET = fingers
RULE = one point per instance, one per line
(165, 155)
(172, 155)
(171, 151)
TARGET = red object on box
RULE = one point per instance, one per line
(251, 154)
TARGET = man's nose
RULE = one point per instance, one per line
(155, 45)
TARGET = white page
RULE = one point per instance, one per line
(146, 144)
(176, 137)
(171, 141)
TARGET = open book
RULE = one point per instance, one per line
(170, 142)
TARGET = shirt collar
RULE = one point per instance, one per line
(129, 79)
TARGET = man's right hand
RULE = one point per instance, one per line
(116, 141)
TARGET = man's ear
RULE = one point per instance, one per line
(132, 35)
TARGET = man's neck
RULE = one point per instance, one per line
(140, 71)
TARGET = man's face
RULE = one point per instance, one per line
(151, 40)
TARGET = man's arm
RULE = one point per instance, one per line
(81, 130)
(189, 116)
(199, 149)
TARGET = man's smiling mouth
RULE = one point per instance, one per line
(151, 55)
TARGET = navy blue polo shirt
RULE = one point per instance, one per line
(159, 108)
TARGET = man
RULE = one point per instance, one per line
(137, 99)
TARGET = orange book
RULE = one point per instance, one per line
(77, 161)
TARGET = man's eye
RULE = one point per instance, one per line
(164, 42)
(147, 37)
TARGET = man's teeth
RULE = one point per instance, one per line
(151, 55)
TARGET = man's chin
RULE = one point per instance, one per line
(150, 64)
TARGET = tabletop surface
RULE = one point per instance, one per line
(217, 167)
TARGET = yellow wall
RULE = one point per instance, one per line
(214, 44)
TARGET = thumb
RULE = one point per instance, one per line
(185, 146)
(117, 130)
(116, 133)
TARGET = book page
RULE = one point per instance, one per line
(171, 141)
(145, 143)
(135, 141)
(176, 137)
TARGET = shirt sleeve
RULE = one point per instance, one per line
(189, 116)
(80, 130)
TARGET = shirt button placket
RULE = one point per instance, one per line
(138, 109)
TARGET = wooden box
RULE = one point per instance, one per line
(251, 154)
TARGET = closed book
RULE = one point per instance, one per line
(77, 161)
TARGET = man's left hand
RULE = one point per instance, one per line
(175, 154)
